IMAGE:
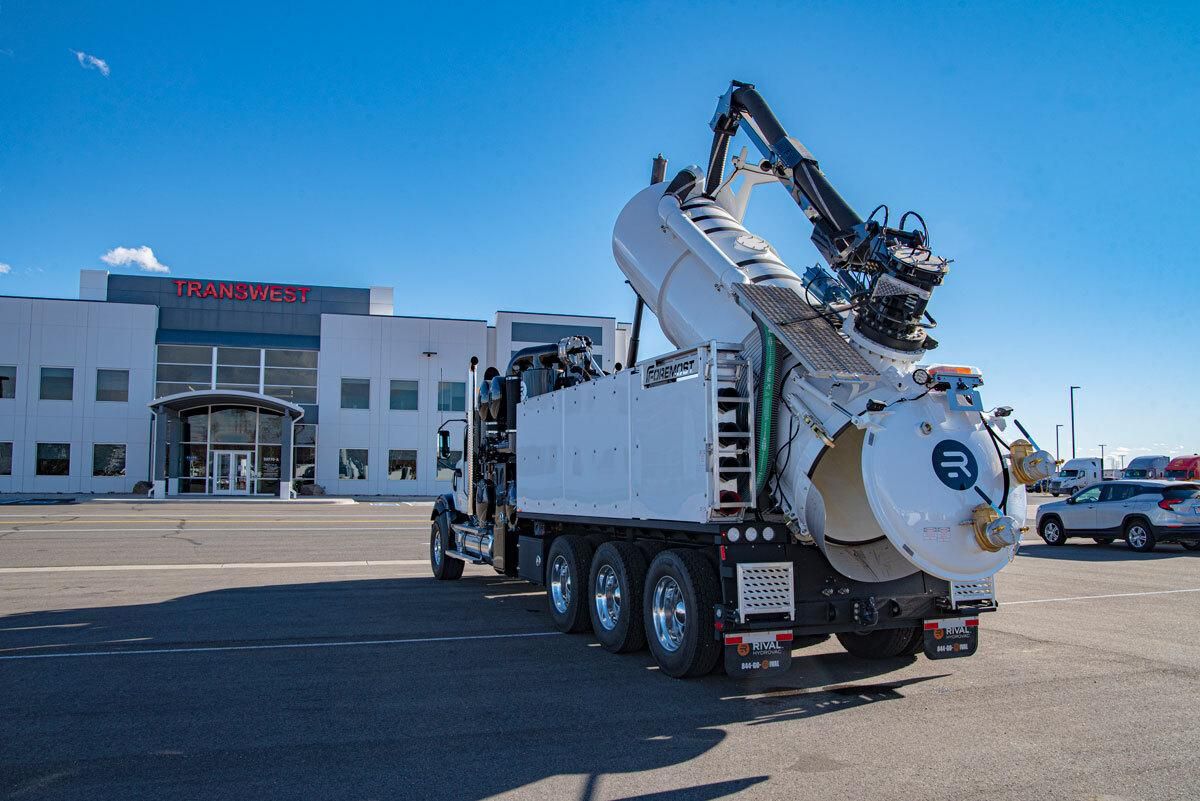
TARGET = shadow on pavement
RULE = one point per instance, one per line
(280, 693)
(1088, 551)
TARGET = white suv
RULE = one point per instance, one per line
(1144, 513)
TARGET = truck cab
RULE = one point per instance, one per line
(1184, 468)
(1076, 474)
(1146, 467)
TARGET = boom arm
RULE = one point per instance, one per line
(890, 272)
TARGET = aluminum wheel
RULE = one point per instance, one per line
(1051, 532)
(1137, 536)
(435, 545)
(560, 584)
(608, 597)
(669, 614)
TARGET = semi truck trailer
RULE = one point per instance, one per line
(798, 467)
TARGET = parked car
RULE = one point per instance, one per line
(1143, 513)
(1184, 468)
(1147, 467)
(1075, 475)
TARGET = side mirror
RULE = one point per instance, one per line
(1070, 500)
(443, 443)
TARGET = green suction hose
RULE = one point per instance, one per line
(766, 406)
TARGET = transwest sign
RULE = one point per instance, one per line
(229, 290)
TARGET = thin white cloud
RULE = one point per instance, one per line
(5, 269)
(143, 257)
(90, 62)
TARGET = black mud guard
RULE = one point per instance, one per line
(443, 503)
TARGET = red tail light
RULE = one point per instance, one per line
(1168, 503)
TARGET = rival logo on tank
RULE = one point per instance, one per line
(955, 465)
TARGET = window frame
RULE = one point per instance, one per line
(42, 383)
(416, 463)
(450, 407)
(124, 459)
(100, 370)
(37, 460)
(416, 390)
(12, 385)
(366, 464)
(342, 394)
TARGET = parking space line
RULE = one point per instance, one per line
(1094, 597)
(213, 566)
(277, 646)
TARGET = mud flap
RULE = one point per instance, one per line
(759, 653)
(951, 638)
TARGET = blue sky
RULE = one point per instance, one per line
(475, 157)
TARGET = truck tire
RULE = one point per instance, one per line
(566, 583)
(1139, 536)
(616, 581)
(1052, 531)
(881, 644)
(677, 610)
(445, 568)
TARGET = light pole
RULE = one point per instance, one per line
(1073, 388)
(1102, 462)
(1057, 455)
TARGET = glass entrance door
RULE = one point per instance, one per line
(232, 472)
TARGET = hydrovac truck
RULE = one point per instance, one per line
(798, 468)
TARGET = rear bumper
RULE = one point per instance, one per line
(1166, 533)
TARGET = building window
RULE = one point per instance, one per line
(108, 460)
(549, 334)
(208, 430)
(452, 396)
(53, 458)
(183, 368)
(112, 385)
(5, 458)
(352, 464)
(402, 465)
(446, 466)
(356, 393)
(8, 381)
(57, 383)
(404, 396)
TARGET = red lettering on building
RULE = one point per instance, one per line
(224, 290)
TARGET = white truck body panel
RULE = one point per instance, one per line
(615, 449)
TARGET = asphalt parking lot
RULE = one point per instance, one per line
(241, 650)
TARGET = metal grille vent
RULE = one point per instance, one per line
(765, 588)
(964, 591)
(805, 333)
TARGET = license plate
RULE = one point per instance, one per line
(759, 653)
(951, 638)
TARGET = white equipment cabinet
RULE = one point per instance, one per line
(642, 444)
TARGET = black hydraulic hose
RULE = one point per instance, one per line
(751, 103)
(716, 163)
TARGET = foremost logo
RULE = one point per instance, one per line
(228, 290)
(661, 373)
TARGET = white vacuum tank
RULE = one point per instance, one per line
(904, 486)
